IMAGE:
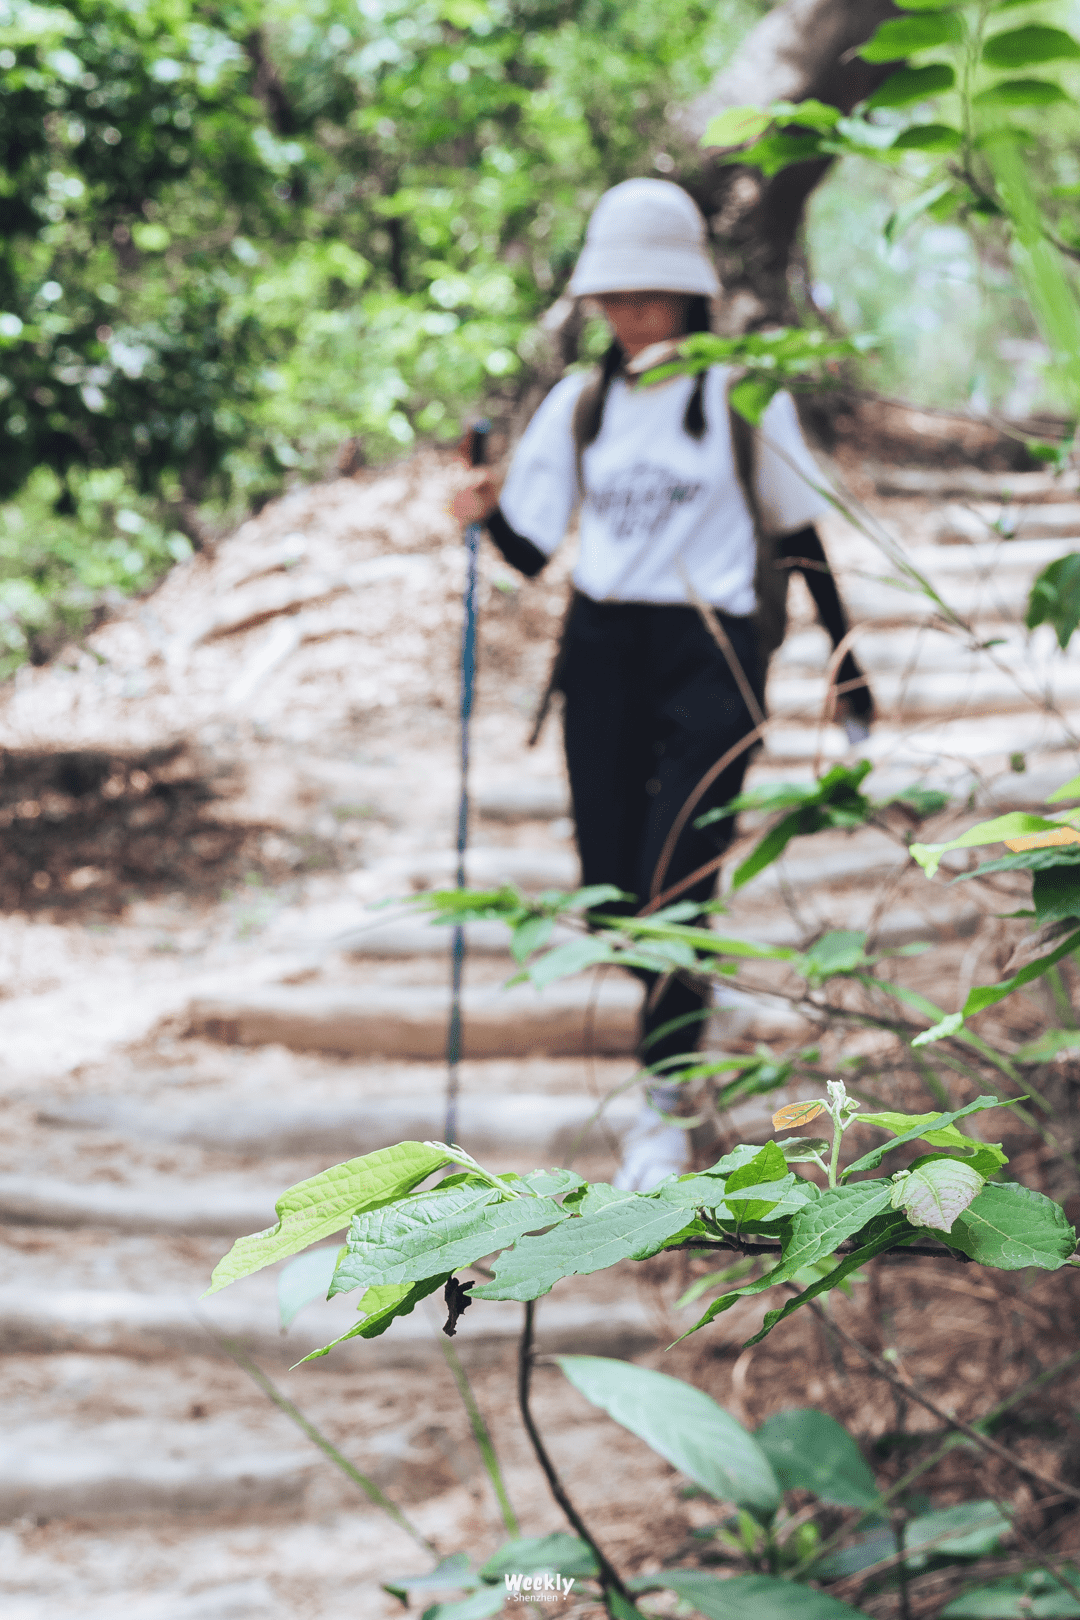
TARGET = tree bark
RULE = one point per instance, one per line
(801, 49)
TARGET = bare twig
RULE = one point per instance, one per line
(951, 1441)
(884, 1370)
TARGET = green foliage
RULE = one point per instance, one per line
(682, 1424)
(1055, 598)
(966, 164)
(747, 1597)
(810, 1451)
(834, 801)
(784, 358)
(1032, 1596)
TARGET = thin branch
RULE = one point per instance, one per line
(951, 1441)
(610, 1579)
(327, 1447)
(883, 1370)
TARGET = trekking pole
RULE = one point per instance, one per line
(475, 448)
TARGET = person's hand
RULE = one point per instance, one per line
(478, 497)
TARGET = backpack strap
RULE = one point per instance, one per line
(770, 582)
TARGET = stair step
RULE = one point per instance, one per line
(485, 868)
(209, 1207)
(158, 1326)
(948, 692)
(546, 1126)
(404, 1021)
(524, 799)
(934, 747)
(941, 483)
(134, 1468)
(228, 1600)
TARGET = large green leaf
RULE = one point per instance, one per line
(682, 1424)
(988, 995)
(968, 1530)
(1022, 93)
(884, 1232)
(941, 1136)
(918, 1129)
(488, 1601)
(816, 1231)
(747, 1597)
(304, 1280)
(628, 1227)
(736, 126)
(1017, 824)
(937, 1192)
(928, 138)
(1011, 1227)
(381, 1306)
(452, 1574)
(810, 1451)
(439, 1230)
(1055, 595)
(1034, 1596)
(904, 35)
(1030, 45)
(1055, 894)
(323, 1205)
(913, 84)
(560, 1552)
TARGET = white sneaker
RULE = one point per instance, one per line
(652, 1150)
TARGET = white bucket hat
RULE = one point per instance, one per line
(645, 236)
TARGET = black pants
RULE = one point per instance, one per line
(650, 704)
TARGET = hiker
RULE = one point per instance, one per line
(691, 523)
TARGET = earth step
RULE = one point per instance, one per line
(415, 936)
(485, 868)
(941, 916)
(152, 1326)
(213, 1206)
(404, 1021)
(951, 482)
(525, 799)
(990, 558)
(893, 651)
(1014, 790)
(960, 525)
(548, 1127)
(1000, 597)
(930, 748)
(983, 690)
(231, 1600)
(134, 1468)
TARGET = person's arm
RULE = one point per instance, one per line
(803, 552)
(478, 502)
(517, 551)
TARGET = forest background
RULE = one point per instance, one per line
(241, 244)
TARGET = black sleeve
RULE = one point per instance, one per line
(519, 552)
(803, 552)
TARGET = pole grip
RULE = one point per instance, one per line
(474, 446)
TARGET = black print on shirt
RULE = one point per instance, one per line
(639, 503)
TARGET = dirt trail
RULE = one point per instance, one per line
(199, 808)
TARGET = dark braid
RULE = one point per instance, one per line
(697, 320)
(610, 366)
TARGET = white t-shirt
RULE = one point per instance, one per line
(659, 508)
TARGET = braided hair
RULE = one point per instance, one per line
(697, 320)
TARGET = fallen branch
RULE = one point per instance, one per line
(884, 1370)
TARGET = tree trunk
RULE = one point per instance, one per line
(802, 49)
